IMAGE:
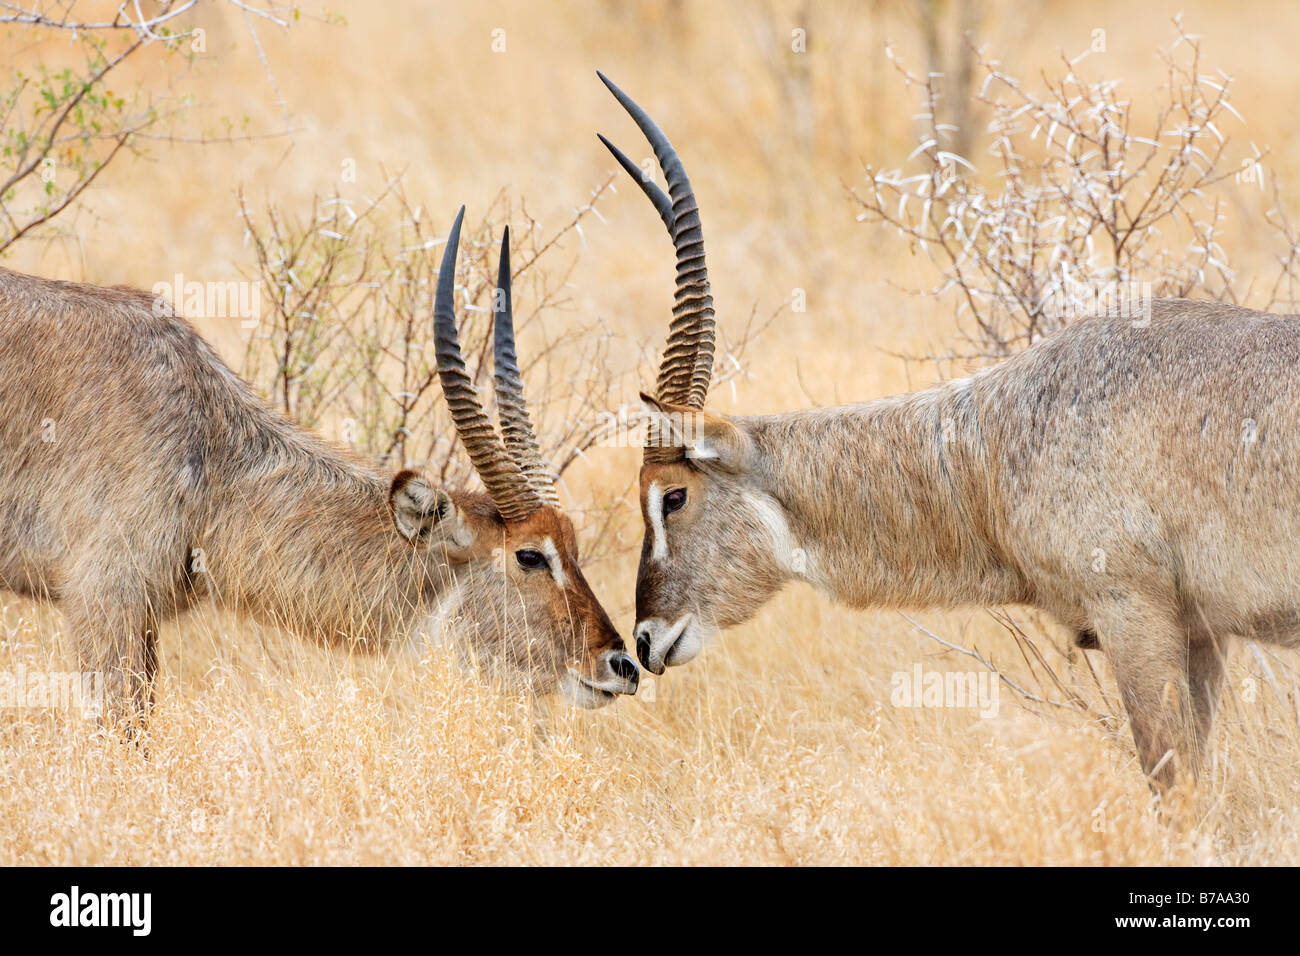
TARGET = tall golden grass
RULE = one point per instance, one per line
(780, 744)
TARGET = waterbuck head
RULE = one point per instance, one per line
(715, 544)
(515, 553)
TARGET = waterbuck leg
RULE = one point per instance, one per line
(150, 658)
(1206, 659)
(1147, 646)
(114, 637)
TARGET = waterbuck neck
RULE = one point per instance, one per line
(891, 500)
(307, 541)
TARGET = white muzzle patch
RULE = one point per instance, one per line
(661, 643)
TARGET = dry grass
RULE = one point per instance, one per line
(774, 748)
(780, 744)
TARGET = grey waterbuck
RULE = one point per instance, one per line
(139, 475)
(1138, 478)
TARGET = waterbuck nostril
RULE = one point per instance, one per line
(625, 667)
(643, 649)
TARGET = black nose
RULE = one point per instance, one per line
(625, 667)
(643, 650)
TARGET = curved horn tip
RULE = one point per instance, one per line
(627, 102)
(453, 237)
(662, 202)
(503, 261)
(618, 93)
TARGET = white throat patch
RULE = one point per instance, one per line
(654, 506)
(789, 554)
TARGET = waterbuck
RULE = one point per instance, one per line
(1138, 478)
(139, 476)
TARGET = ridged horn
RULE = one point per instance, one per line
(687, 367)
(502, 477)
(516, 427)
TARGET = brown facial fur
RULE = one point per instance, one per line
(721, 565)
(549, 609)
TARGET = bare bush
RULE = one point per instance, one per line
(62, 125)
(343, 343)
(1087, 199)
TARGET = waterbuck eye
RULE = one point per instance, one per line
(530, 559)
(674, 500)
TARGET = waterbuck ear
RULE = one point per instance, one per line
(709, 440)
(418, 508)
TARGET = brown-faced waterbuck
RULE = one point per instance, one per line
(139, 476)
(1137, 477)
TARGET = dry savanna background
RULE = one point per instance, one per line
(347, 135)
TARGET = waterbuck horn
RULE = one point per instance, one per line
(516, 428)
(511, 492)
(687, 367)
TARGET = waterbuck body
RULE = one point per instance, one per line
(139, 475)
(1137, 477)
